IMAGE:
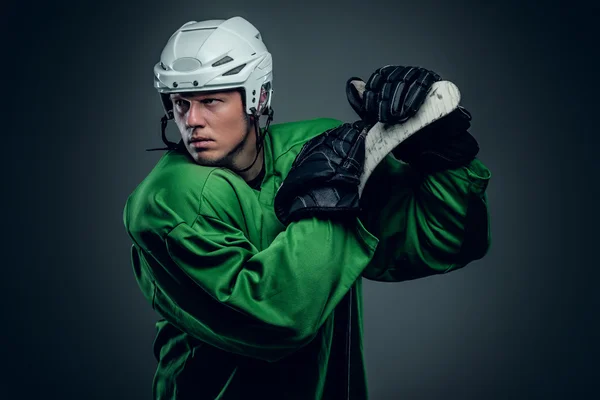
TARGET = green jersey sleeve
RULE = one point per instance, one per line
(426, 224)
(216, 282)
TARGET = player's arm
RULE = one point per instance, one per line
(426, 223)
(426, 201)
(211, 282)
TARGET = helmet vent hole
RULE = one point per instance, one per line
(222, 61)
(235, 70)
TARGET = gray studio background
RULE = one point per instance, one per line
(81, 110)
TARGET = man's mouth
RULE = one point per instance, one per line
(199, 143)
(200, 139)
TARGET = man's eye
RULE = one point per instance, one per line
(209, 101)
(181, 105)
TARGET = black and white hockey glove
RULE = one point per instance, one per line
(324, 178)
(393, 95)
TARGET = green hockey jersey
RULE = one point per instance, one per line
(249, 307)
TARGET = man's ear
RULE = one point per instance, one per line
(263, 100)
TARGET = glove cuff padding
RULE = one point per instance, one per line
(325, 175)
(324, 202)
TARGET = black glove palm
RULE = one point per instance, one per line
(324, 178)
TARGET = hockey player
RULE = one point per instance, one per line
(251, 241)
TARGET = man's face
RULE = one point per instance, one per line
(213, 126)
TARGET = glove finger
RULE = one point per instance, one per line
(355, 97)
(391, 101)
(413, 95)
(313, 169)
(381, 76)
(343, 141)
(371, 102)
(403, 74)
(389, 70)
(359, 86)
(309, 148)
(376, 105)
(394, 98)
(323, 158)
(375, 80)
(355, 160)
(347, 150)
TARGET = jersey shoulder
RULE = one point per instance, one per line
(169, 195)
(288, 138)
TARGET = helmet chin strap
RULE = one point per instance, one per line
(259, 138)
(163, 127)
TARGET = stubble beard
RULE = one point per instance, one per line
(229, 159)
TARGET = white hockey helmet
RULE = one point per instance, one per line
(216, 55)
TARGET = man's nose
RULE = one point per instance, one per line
(195, 115)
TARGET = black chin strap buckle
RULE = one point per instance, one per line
(163, 127)
(269, 119)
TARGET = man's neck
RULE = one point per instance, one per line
(256, 168)
(256, 182)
